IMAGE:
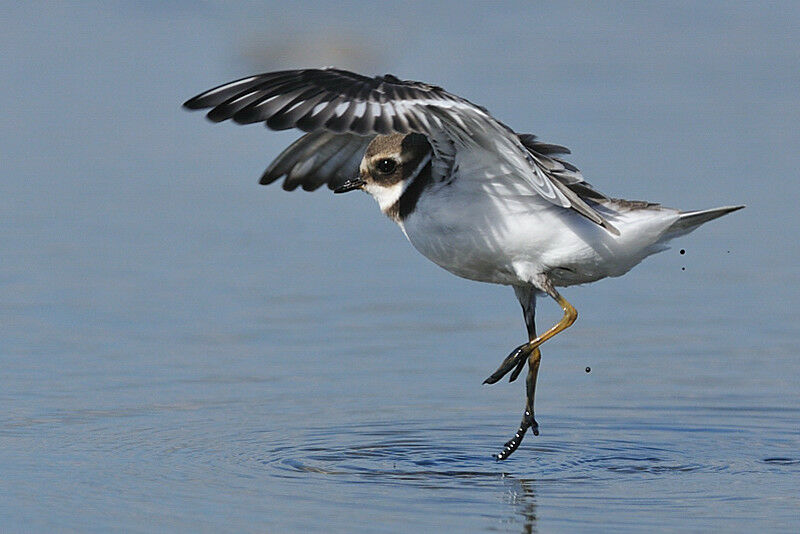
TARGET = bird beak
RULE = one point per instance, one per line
(349, 185)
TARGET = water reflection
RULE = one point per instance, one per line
(522, 499)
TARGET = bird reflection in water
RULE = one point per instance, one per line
(522, 498)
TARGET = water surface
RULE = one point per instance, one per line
(184, 350)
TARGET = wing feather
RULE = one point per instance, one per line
(318, 158)
(343, 111)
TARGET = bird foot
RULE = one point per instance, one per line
(528, 421)
(515, 360)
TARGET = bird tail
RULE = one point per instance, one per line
(689, 220)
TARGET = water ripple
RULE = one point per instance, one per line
(423, 454)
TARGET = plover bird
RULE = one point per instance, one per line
(470, 194)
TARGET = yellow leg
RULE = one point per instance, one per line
(570, 314)
(523, 351)
(530, 386)
(531, 353)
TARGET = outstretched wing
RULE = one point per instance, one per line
(318, 158)
(330, 99)
(343, 102)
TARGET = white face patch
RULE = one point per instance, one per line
(386, 196)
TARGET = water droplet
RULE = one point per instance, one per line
(588, 369)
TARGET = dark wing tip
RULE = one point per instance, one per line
(196, 102)
(267, 178)
(192, 104)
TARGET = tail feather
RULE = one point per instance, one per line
(689, 220)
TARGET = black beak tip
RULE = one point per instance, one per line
(349, 185)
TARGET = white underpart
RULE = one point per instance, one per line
(486, 231)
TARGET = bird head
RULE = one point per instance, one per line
(390, 165)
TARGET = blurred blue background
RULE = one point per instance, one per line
(184, 349)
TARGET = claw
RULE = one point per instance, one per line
(517, 370)
(534, 427)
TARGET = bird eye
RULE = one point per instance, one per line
(386, 166)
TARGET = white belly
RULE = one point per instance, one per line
(511, 241)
